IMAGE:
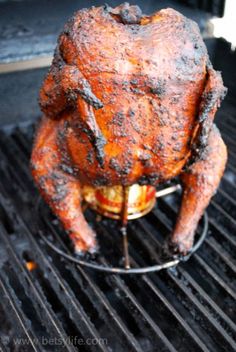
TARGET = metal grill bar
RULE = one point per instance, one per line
(118, 284)
(121, 285)
(160, 297)
(172, 308)
(217, 277)
(200, 306)
(17, 313)
(141, 260)
(77, 313)
(200, 292)
(109, 309)
(2, 347)
(99, 295)
(202, 310)
(139, 314)
(210, 242)
(130, 338)
(68, 299)
(40, 302)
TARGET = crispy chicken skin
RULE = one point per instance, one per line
(129, 99)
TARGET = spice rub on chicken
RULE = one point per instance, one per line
(128, 99)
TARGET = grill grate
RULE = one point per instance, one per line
(190, 308)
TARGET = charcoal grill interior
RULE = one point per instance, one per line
(59, 306)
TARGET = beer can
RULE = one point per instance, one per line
(109, 201)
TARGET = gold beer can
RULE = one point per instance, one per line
(109, 201)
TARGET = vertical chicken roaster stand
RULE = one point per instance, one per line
(170, 262)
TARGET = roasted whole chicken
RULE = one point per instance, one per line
(129, 99)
